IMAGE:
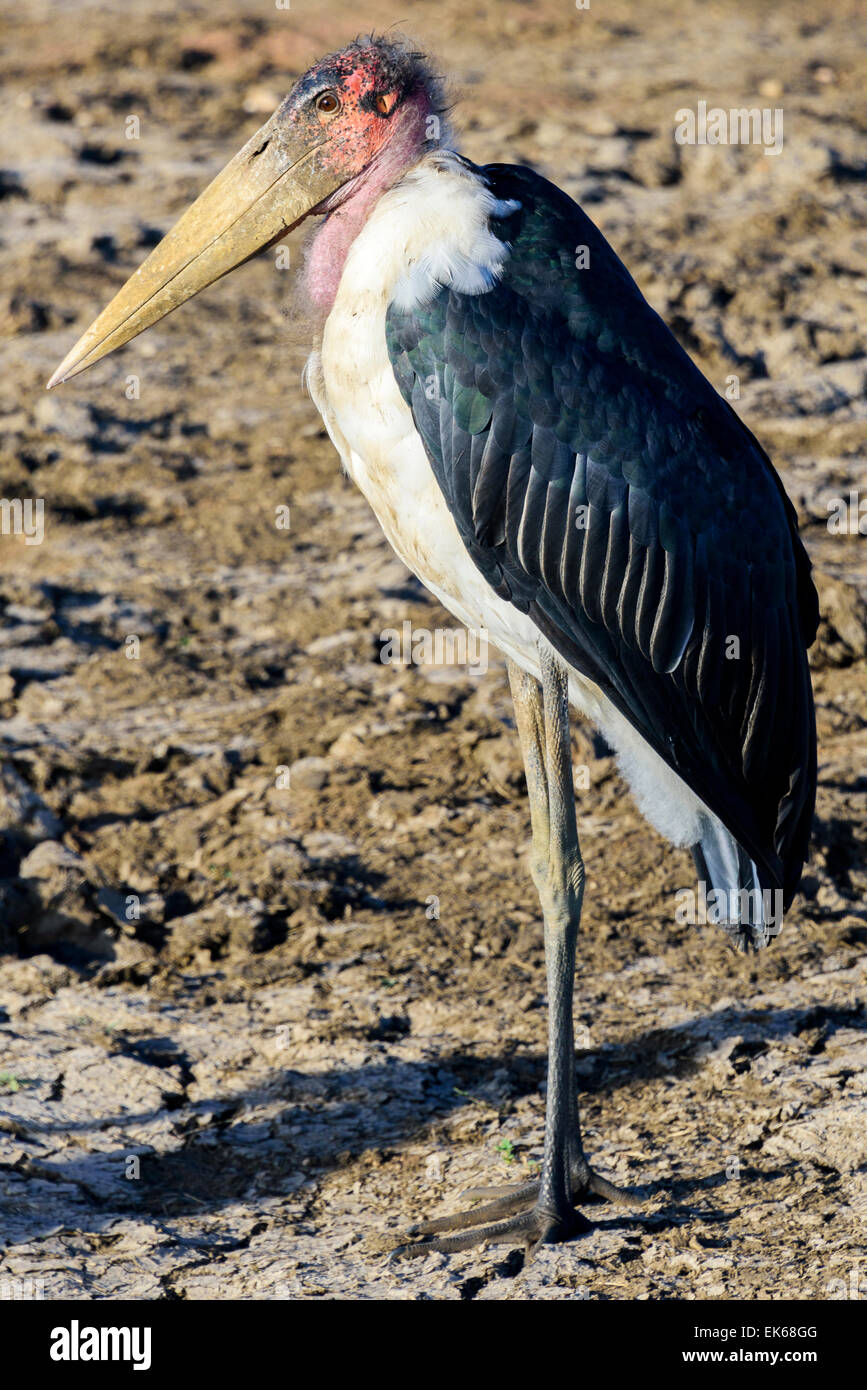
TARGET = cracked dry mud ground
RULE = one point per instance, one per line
(301, 1055)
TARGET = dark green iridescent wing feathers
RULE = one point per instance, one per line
(601, 485)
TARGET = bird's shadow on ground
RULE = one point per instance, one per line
(329, 1120)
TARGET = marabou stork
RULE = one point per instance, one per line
(550, 463)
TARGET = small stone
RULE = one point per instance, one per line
(433, 1168)
(309, 774)
(61, 888)
(22, 811)
(347, 749)
(64, 417)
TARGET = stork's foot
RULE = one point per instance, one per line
(584, 1182)
(515, 1217)
(530, 1228)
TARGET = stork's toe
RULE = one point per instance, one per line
(529, 1228)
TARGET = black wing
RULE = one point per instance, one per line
(601, 484)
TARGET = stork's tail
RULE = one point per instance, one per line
(734, 897)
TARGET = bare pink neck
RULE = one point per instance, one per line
(330, 247)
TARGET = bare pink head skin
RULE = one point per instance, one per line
(372, 102)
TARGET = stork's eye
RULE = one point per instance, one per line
(327, 104)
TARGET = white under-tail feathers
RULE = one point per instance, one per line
(431, 230)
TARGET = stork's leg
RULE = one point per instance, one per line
(544, 1211)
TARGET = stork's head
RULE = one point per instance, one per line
(365, 103)
(357, 120)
